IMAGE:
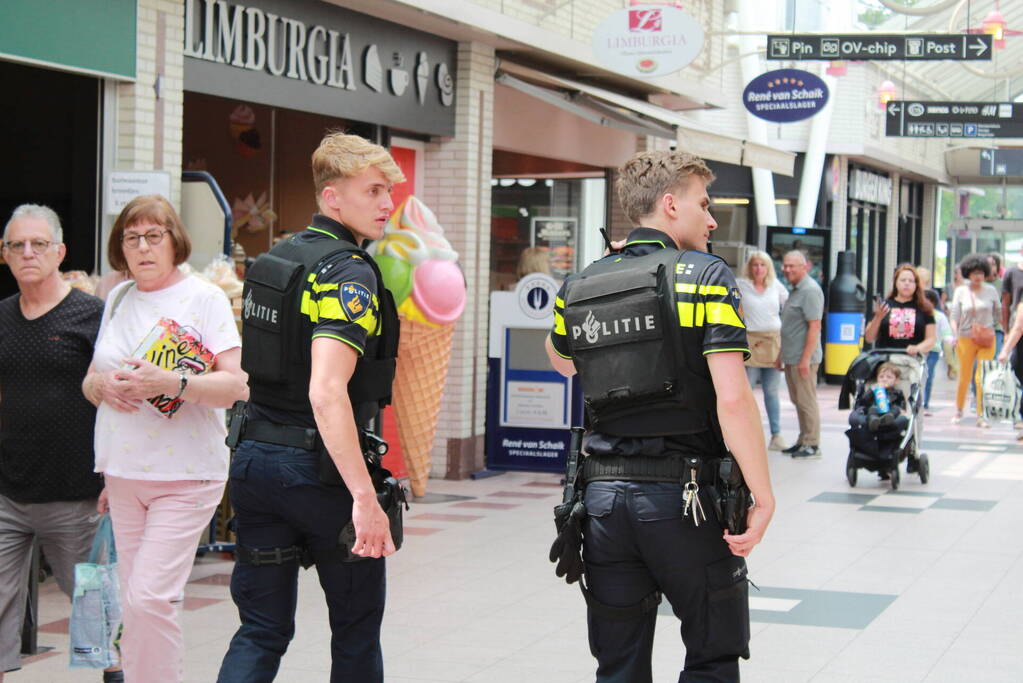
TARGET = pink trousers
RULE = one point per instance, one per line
(156, 527)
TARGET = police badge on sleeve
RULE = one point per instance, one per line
(355, 299)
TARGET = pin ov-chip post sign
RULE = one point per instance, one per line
(648, 40)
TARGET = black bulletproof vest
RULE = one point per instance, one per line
(277, 336)
(622, 326)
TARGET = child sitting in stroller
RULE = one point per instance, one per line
(877, 419)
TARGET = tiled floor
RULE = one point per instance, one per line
(861, 584)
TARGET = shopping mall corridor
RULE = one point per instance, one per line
(855, 584)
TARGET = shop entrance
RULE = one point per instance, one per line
(866, 235)
(50, 139)
(259, 156)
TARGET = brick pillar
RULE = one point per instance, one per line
(457, 188)
(149, 111)
(927, 228)
(891, 247)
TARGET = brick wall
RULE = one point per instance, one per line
(149, 111)
(457, 188)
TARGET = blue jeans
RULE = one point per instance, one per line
(999, 339)
(932, 363)
(769, 379)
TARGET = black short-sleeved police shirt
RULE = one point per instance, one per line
(340, 299)
(707, 298)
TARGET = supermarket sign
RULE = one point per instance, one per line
(785, 95)
(648, 40)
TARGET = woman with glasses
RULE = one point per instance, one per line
(167, 359)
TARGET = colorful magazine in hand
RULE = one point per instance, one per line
(173, 347)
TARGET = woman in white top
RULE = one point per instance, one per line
(976, 306)
(164, 470)
(762, 300)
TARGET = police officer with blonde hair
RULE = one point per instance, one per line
(320, 336)
(655, 334)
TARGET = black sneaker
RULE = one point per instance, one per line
(792, 449)
(807, 453)
(911, 465)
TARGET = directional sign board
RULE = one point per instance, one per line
(1001, 162)
(909, 119)
(881, 47)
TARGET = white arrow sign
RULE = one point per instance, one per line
(893, 109)
(979, 46)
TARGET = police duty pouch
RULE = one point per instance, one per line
(618, 320)
(391, 496)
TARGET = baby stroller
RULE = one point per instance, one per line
(860, 377)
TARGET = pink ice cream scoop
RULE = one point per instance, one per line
(438, 289)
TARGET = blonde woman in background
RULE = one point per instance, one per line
(762, 300)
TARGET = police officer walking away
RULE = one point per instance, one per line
(656, 335)
(320, 335)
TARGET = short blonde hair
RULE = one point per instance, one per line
(150, 208)
(533, 260)
(760, 256)
(343, 156)
(648, 176)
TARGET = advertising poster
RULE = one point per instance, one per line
(558, 236)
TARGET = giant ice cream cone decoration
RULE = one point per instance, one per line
(419, 267)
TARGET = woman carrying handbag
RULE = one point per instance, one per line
(975, 308)
(762, 300)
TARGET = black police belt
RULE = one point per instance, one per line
(282, 435)
(644, 468)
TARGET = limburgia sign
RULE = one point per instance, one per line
(648, 40)
(785, 95)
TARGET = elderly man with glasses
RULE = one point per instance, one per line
(48, 489)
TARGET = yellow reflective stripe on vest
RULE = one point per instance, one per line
(309, 307)
(559, 323)
(330, 307)
(689, 288)
(690, 314)
(714, 289)
(719, 313)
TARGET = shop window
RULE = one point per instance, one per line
(536, 224)
(732, 216)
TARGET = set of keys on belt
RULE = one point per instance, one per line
(691, 499)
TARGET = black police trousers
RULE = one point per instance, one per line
(637, 542)
(279, 502)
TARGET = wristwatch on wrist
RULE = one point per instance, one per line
(181, 387)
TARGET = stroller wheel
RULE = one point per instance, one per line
(923, 468)
(894, 477)
(850, 471)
